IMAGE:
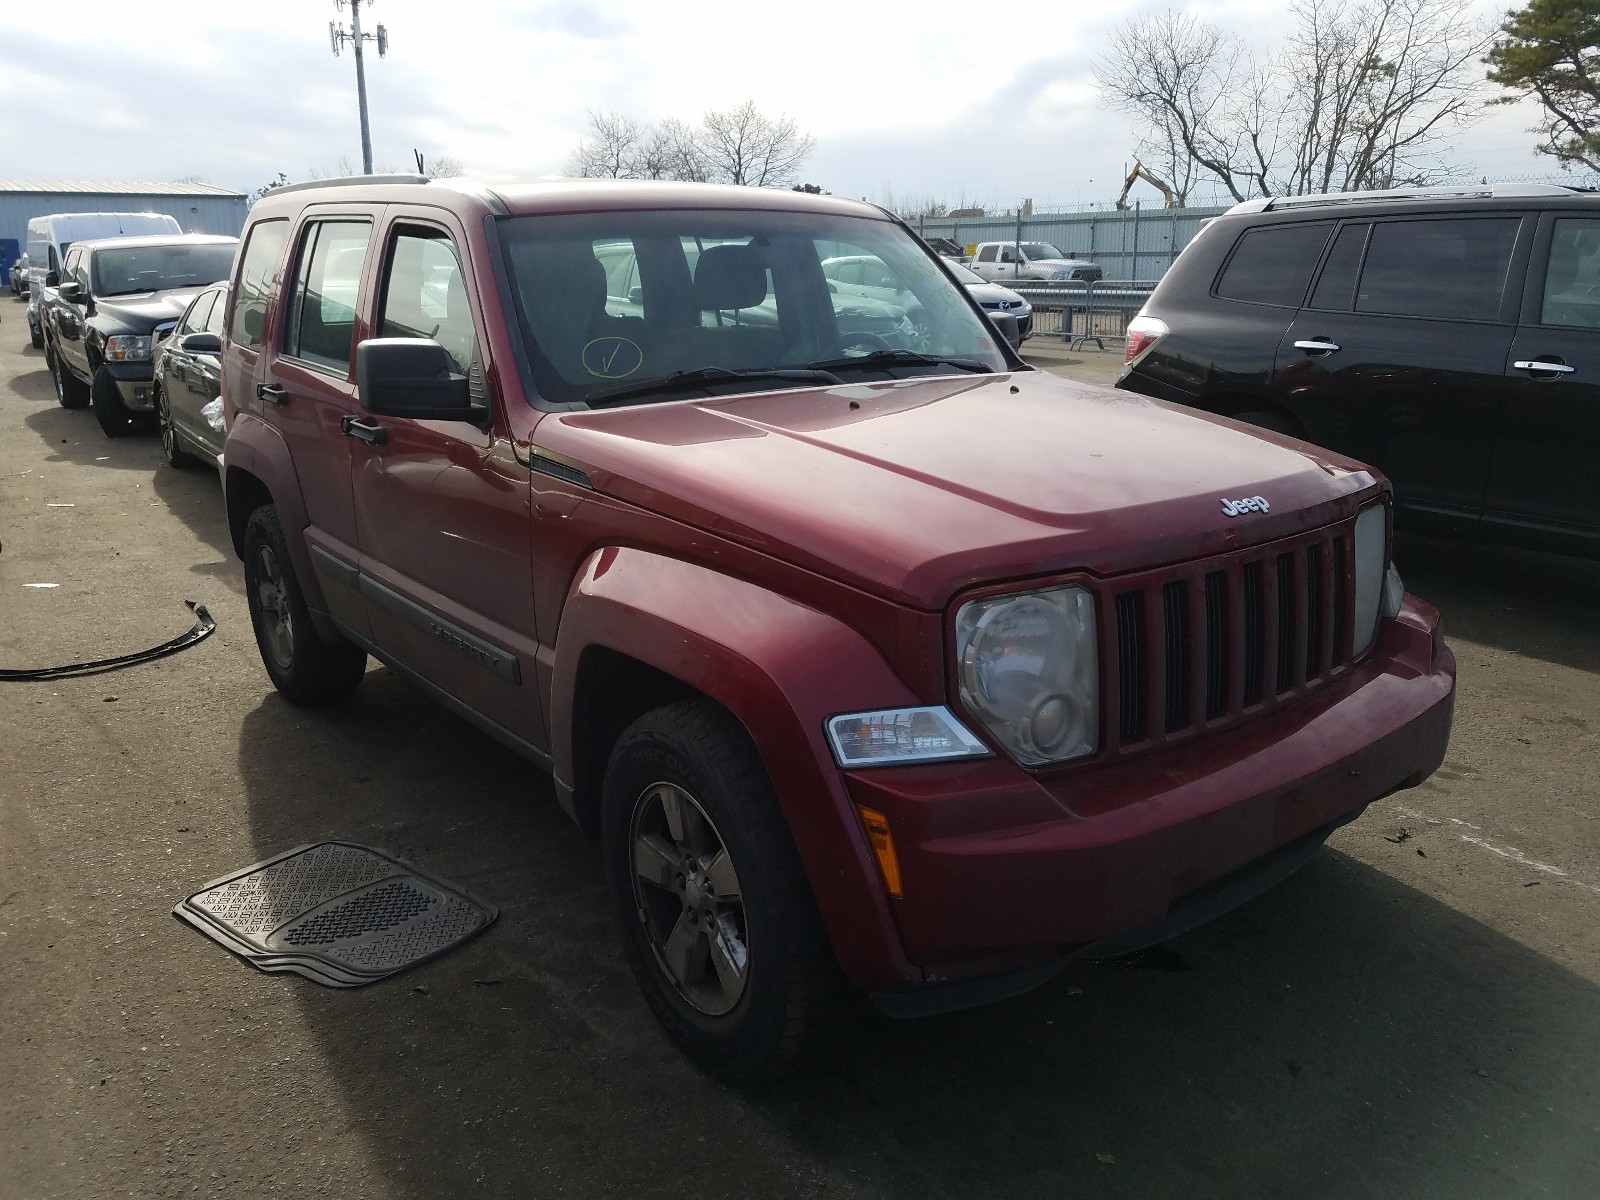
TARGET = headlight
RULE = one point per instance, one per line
(127, 347)
(1028, 672)
(1372, 566)
(896, 736)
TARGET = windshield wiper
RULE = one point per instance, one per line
(701, 377)
(882, 359)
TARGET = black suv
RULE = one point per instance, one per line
(1449, 337)
(117, 299)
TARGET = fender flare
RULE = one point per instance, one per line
(781, 668)
(254, 448)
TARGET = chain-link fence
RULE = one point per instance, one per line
(1073, 309)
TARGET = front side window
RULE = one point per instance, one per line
(194, 320)
(322, 312)
(128, 271)
(217, 319)
(256, 277)
(1449, 268)
(1572, 278)
(736, 292)
(425, 295)
(1034, 251)
(1273, 264)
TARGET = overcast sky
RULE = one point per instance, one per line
(945, 100)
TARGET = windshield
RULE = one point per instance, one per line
(611, 300)
(1038, 250)
(123, 271)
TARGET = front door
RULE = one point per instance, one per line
(70, 316)
(443, 507)
(1399, 357)
(1546, 442)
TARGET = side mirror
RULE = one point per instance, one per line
(636, 295)
(412, 377)
(72, 291)
(52, 279)
(201, 343)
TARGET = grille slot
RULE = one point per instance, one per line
(1286, 623)
(1175, 627)
(1130, 665)
(1315, 624)
(1254, 602)
(1216, 644)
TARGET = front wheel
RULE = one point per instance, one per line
(304, 666)
(171, 446)
(71, 392)
(717, 917)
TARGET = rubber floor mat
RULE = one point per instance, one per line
(341, 914)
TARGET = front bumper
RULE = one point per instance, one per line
(1007, 876)
(133, 381)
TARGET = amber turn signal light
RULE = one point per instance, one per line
(883, 846)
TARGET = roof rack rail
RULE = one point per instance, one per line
(1494, 191)
(344, 181)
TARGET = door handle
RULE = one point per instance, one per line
(272, 395)
(1317, 347)
(373, 435)
(1541, 367)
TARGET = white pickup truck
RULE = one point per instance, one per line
(1029, 260)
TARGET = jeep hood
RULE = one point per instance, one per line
(916, 489)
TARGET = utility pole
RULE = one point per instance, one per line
(339, 36)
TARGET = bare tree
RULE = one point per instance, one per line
(609, 149)
(670, 151)
(1362, 95)
(744, 146)
(445, 166)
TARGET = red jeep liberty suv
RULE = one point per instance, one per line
(862, 647)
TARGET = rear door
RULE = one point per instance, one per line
(443, 507)
(1398, 359)
(1543, 475)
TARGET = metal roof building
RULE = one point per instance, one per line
(199, 207)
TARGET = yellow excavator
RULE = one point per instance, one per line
(1141, 172)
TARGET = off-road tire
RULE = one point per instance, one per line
(71, 392)
(791, 978)
(116, 418)
(305, 667)
(171, 444)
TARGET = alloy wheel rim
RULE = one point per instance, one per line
(169, 438)
(55, 375)
(687, 897)
(272, 609)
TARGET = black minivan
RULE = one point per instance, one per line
(1449, 337)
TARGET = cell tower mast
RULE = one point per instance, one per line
(338, 35)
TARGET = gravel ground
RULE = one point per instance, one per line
(1414, 1015)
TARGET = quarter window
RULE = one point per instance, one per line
(256, 276)
(1572, 279)
(322, 317)
(1453, 268)
(1273, 265)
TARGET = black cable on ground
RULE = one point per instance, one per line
(204, 627)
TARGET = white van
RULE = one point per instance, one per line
(49, 237)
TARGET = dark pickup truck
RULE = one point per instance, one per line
(117, 298)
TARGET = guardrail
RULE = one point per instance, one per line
(1077, 311)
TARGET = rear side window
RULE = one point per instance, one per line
(986, 254)
(1452, 268)
(1336, 288)
(261, 256)
(1273, 265)
(1572, 280)
(322, 314)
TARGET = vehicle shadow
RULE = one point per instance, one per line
(1535, 604)
(195, 497)
(1343, 1036)
(73, 436)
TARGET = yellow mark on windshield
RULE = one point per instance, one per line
(612, 358)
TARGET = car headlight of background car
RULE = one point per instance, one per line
(128, 347)
(1028, 671)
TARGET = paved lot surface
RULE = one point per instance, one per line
(1415, 1015)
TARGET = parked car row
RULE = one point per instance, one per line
(1449, 337)
(909, 668)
